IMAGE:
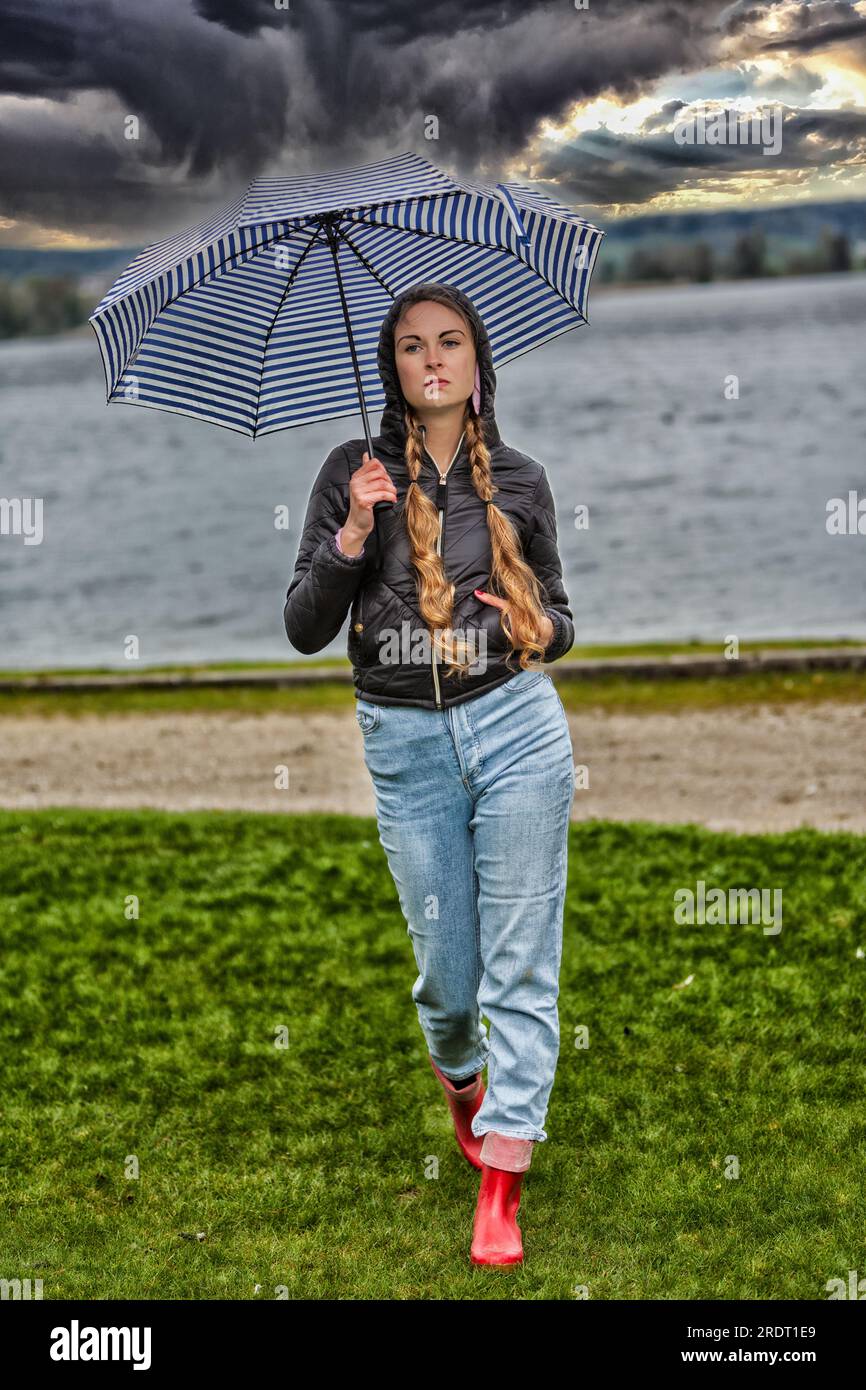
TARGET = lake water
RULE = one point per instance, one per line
(707, 516)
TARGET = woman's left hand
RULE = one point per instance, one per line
(501, 603)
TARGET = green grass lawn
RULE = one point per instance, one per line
(307, 1166)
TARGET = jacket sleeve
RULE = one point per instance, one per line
(325, 580)
(542, 554)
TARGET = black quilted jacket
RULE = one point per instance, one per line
(379, 586)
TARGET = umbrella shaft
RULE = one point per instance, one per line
(333, 242)
(377, 506)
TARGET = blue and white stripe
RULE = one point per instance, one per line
(238, 320)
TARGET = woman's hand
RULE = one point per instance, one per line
(369, 484)
(547, 632)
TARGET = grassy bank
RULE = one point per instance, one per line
(152, 1042)
(611, 691)
(626, 649)
(604, 692)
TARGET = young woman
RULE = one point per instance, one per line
(454, 606)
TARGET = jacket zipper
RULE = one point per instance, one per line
(443, 500)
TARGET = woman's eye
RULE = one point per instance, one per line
(449, 342)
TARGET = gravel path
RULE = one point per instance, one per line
(753, 768)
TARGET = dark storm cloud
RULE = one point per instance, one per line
(392, 21)
(203, 93)
(604, 168)
(226, 90)
(809, 26)
(822, 36)
(57, 176)
(39, 48)
(208, 104)
(661, 119)
(401, 21)
(488, 71)
(240, 16)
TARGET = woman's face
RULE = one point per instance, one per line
(435, 355)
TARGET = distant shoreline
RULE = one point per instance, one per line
(599, 288)
(646, 660)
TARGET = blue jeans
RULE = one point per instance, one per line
(473, 805)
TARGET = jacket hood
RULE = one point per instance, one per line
(392, 428)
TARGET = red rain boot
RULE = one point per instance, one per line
(463, 1106)
(496, 1238)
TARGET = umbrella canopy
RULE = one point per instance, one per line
(268, 316)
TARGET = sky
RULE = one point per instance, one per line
(121, 124)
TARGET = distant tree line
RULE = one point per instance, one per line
(43, 304)
(748, 258)
(39, 304)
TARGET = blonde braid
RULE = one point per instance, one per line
(511, 578)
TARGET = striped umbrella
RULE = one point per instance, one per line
(269, 315)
